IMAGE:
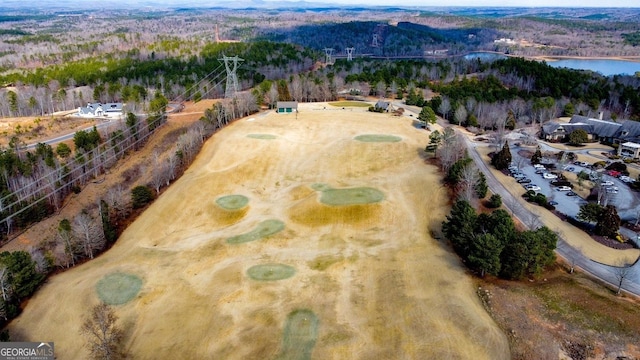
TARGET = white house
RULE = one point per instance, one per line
(101, 110)
(629, 149)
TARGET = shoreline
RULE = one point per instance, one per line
(551, 58)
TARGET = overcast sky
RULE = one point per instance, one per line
(282, 3)
(512, 3)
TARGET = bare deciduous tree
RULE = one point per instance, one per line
(89, 233)
(103, 335)
(621, 272)
(468, 180)
(445, 107)
(452, 148)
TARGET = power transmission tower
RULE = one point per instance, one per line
(374, 43)
(231, 64)
(349, 53)
(327, 55)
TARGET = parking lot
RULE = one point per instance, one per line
(626, 201)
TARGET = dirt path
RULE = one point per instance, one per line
(369, 277)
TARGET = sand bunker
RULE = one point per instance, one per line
(370, 282)
(271, 272)
(118, 288)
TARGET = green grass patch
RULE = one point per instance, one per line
(378, 138)
(352, 196)
(264, 229)
(300, 335)
(262, 136)
(350, 103)
(232, 202)
(118, 288)
(587, 309)
(321, 263)
(271, 272)
(320, 187)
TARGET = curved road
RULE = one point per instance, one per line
(606, 273)
(603, 272)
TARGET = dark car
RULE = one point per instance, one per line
(571, 193)
(524, 181)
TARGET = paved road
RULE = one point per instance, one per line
(573, 256)
(103, 123)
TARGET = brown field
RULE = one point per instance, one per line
(369, 282)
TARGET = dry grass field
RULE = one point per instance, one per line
(330, 257)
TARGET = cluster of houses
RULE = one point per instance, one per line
(626, 133)
(93, 110)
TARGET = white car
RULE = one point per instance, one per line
(532, 187)
(626, 179)
(549, 176)
(538, 166)
(607, 183)
(563, 188)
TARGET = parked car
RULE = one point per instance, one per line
(553, 203)
(570, 168)
(538, 166)
(571, 193)
(533, 187)
(519, 175)
(540, 171)
(549, 176)
(563, 188)
(524, 180)
(612, 190)
(626, 179)
(607, 183)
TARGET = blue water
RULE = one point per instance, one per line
(605, 67)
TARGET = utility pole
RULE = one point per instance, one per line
(327, 55)
(349, 53)
(231, 64)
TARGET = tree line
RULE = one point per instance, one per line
(98, 226)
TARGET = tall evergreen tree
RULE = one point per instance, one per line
(608, 222)
(484, 254)
(459, 227)
(502, 158)
(537, 156)
(480, 186)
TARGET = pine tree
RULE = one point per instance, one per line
(608, 222)
(459, 227)
(502, 158)
(537, 156)
(484, 254)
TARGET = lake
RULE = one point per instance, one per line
(604, 66)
